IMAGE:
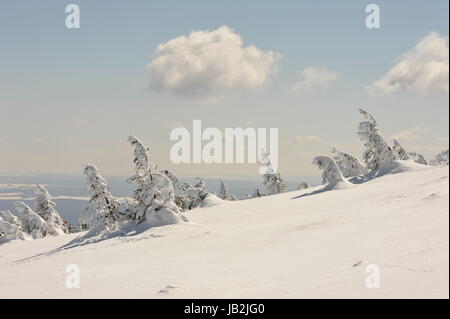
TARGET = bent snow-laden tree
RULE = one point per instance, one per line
(349, 165)
(331, 175)
(11, 228)
(378, 156)
(46, 208)
(155, 195)
(224, 193)
(273, 181)
(103, 207)
(440, 159)
(31, 222)
(400, 152)
(418, 158)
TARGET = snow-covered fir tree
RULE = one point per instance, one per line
(224, 192)
(418, 158)
(348, 164)
(331, 174)
(440, 159)
(200, 183)
(46, 208)
(155, 193)
(103, 206)
(31, 222)
(141, 157)
(273, 181)
(378, 156)
(400, 152)
(303, 185)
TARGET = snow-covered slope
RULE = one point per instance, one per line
(292, 245)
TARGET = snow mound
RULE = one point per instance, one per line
(212, 200)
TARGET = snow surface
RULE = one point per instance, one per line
(303, 244)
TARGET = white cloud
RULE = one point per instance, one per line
(206, 64)
(411, 134)
(312, 78)
(423, 69)
(306, 139)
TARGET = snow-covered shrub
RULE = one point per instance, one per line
(11, 228)
(331, 175)
(440, 159)
(348, 164)
(10, 218)
(418, 158)
(46, 208)
(400, 152)
(32, 223)
(224, 193)
(303, 185)
(378, 156)
(102, 208)
(273, 181)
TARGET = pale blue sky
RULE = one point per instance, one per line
(69, 97)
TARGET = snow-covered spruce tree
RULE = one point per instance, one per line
(348, 164)
(378, 156)
(11, 228)
(224, 193)
(180, 187)
(303, 185)
(155, 195)
(273, 181)
(32, 223)
(440, 159)
(400, 152)
(103, 207)
(418, 158)
(46, 208)
(200, 183)
(332, 175)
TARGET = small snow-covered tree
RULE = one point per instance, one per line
(200, 183)
(303, 185)
(32, 223)
(224, 193)
(273, 181)
(331, 175)
(102, 206)
(46, 208)
(400, 151)
(348, 164)
(378, 156)
(155, 193)
(11, 228)
(418, 158)
(10, 218)
(141, 156)
(440, 159)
